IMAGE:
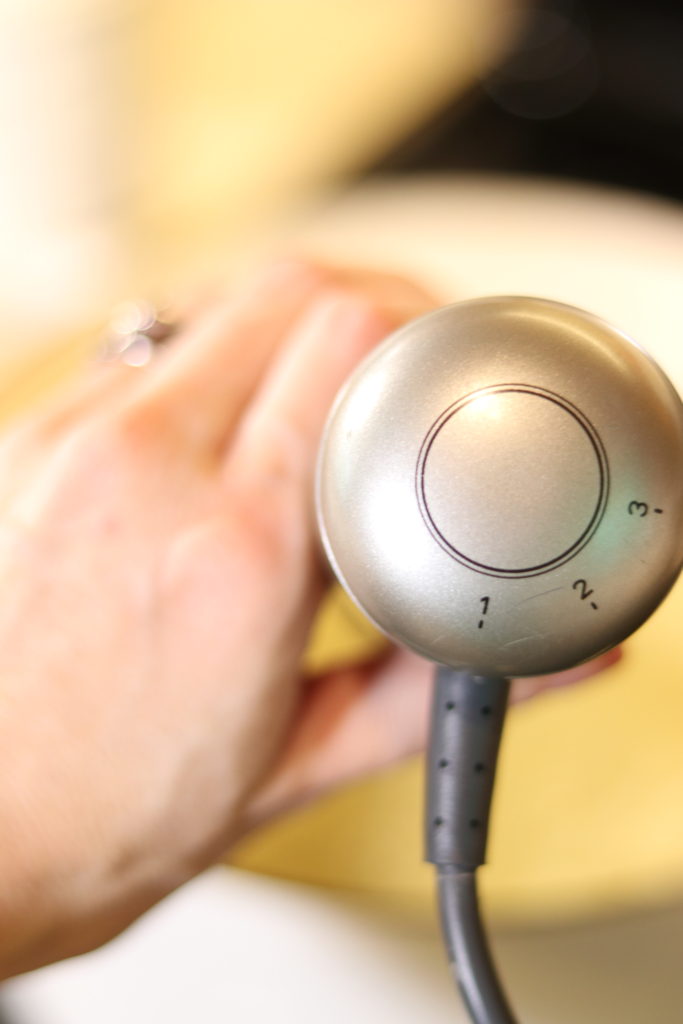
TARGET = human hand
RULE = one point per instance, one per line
(160, 573)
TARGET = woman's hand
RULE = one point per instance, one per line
(159, 573)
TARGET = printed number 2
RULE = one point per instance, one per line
(584, 592)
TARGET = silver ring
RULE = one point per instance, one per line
(133, 332)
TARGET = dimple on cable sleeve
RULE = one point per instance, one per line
(468, 712)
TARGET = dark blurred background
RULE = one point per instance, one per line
(591, 90)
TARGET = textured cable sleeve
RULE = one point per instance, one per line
(468, 712)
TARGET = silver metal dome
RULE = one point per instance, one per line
(500, 486)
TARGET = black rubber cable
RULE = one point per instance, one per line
(468, 712)
(468, 950)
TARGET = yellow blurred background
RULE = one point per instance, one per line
(148, 143)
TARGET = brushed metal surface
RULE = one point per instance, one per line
(500, 485)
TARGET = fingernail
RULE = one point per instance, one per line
(349, 315)
(285, 272)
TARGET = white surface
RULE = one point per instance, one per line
(67, 124)
(617, 254)
(239, 947)
(235, 946)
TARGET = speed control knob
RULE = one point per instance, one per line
(500, 486)
(545, 516)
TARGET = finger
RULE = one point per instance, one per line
(57, 412)
(359, 719)
(401, 297)
(108, 379)
(523, 689)
(278, 439)
(351, 722)
(210, 371)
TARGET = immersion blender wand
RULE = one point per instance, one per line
(500, 488)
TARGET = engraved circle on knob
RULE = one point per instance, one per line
(542, 479)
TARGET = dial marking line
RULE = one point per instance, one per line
(542, 593)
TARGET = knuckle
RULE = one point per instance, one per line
(270, 527)
(85, 450)
(111, 440)
(136, 426)
(261, 528)
(123, 436)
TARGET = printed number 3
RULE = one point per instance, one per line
(640, 508)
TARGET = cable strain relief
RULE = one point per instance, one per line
(468, 712)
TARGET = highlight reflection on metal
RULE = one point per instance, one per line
(500, 486)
